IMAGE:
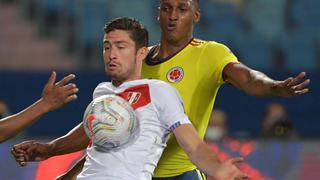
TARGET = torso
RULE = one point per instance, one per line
(196, 72)
(137, 159)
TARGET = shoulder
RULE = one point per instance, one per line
(101, 89)
(159, 84)
(158, 87)
(208, 44)
(103, 85)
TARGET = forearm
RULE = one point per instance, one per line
(198, 151)
(250, 81)
(204, 159)
(12, 125)
(75, 140)
(259, 84)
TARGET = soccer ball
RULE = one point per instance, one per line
(110, 122)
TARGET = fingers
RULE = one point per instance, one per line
(22, 146)
(301, 92)
(70, 90)
(19, 155)
(52, 78)
(70, 86)
(66, 80)
(301, 85)
(60, 93)
(287, 82)
(71, 98)
(297, 79)
(20, 152)
(21, 160)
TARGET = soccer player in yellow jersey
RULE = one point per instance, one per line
(197, 69)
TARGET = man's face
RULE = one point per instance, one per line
(177, 18)
(119, 54)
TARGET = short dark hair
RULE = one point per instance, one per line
(197, 3)
(138, 32)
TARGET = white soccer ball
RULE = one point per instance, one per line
(110, 122)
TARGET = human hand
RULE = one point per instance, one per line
(292, 86)
(56, 95)
(30, 151)
(228, 170)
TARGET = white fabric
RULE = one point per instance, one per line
(138, 159)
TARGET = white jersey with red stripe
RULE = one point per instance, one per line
(159, 109)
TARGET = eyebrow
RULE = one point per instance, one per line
(180, 4)
(115, 42)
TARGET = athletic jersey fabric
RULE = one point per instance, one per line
(196, 72)
(159, 109)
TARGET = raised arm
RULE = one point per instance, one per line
(258, 84)
(202, 156)
(54, 96)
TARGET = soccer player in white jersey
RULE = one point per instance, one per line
(158, 107)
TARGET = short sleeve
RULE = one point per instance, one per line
(100, 90)
(169, 106)
(216, 57)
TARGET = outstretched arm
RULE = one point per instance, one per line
(54, 96)
(258, 84)
(75, 140)
(203, 157)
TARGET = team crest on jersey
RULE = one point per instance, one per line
(138, 96)
(133, 97)
(175, 74)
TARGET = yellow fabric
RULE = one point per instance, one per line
(202, 63)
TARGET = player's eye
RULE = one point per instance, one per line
(183, 8)
(121, 47)
(164, 8)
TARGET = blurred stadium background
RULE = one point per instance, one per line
(278, 37)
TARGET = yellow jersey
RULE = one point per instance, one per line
(196, 72)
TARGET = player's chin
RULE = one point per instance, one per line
(115, 76)
(112, 71)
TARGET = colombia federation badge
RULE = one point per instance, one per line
(175, 75)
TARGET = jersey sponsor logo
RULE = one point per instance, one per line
(175, 75)
(137, 96)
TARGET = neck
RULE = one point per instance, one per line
(171, 47)
(118, 82)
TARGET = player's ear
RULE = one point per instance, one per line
(142, 53)
(197, 15)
